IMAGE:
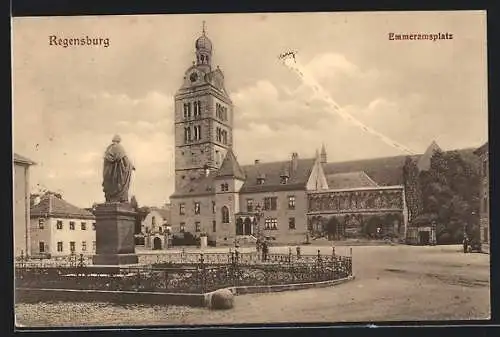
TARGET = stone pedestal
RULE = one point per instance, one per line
(115, 226)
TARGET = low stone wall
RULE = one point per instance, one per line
(31, 295)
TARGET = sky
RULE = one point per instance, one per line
(69, 102)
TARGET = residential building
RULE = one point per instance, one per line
(59, 228)
(21, 191)
(484, 209)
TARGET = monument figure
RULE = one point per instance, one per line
(117, 172)
(115, 219)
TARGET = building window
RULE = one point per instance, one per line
(41, 223)
(41, 247)
(197, 132)
(160, 230)
(182, 209)
(197, 226)
(291, 223)
(224, 187)
(60, 246)
(182, 227)
(187, 110)
(59, 224)
(249, 205)
(213, 207)
(284, 180)
(271, 224)
(84, 226)
(214, 226)
(84, 246)
(93, 226)
(72, 246)
(261, 180)
(196, 208)
(197, 109)
(270, 203)
(225, 214)
(291, 202)
(187, 134)
(72, 225)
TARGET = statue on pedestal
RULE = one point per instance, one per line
(117, 172)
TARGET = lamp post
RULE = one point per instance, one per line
(258, 228)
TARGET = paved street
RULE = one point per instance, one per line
(392, 283)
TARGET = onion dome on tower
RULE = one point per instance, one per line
(203, 47)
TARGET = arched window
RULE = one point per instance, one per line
(225, 214)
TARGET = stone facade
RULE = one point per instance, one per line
(21, 189)
(358, 212)
(484, 215)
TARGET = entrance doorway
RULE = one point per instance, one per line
(156, 243)
(239, 226)
(424, 238)
(248, 227)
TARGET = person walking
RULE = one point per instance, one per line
(466, 244)
(265, 251)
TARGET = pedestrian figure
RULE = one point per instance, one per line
(265, 251)
(298, 252)
(466, 244)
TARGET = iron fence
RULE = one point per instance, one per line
(207, 273)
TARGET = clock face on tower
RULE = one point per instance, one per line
(193, 77)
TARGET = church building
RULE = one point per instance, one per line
(216, 196)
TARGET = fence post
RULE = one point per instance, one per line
(318, 266)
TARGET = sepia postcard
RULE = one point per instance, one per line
(220, 169)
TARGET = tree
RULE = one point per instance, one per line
(413, 193)
(138, 218)
(450, 195)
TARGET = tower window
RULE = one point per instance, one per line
(225, 214)
(197, 109)
(187, 110)
(197, 132)
(187, 134)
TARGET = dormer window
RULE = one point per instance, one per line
(284, 180)
(261, 179)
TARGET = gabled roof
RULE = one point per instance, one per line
(481, 150)
(272, 173)
(349, 180)
(51, 206)
(165, 213)
(204, 185)
(230, 167)
(388, 171)
(18, 159)
(424, 162)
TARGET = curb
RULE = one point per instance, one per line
(30, 295)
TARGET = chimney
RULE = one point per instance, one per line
(257, 161)
(295, 161)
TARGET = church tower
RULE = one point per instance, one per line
(203, 118)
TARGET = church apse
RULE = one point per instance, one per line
(352, 213)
